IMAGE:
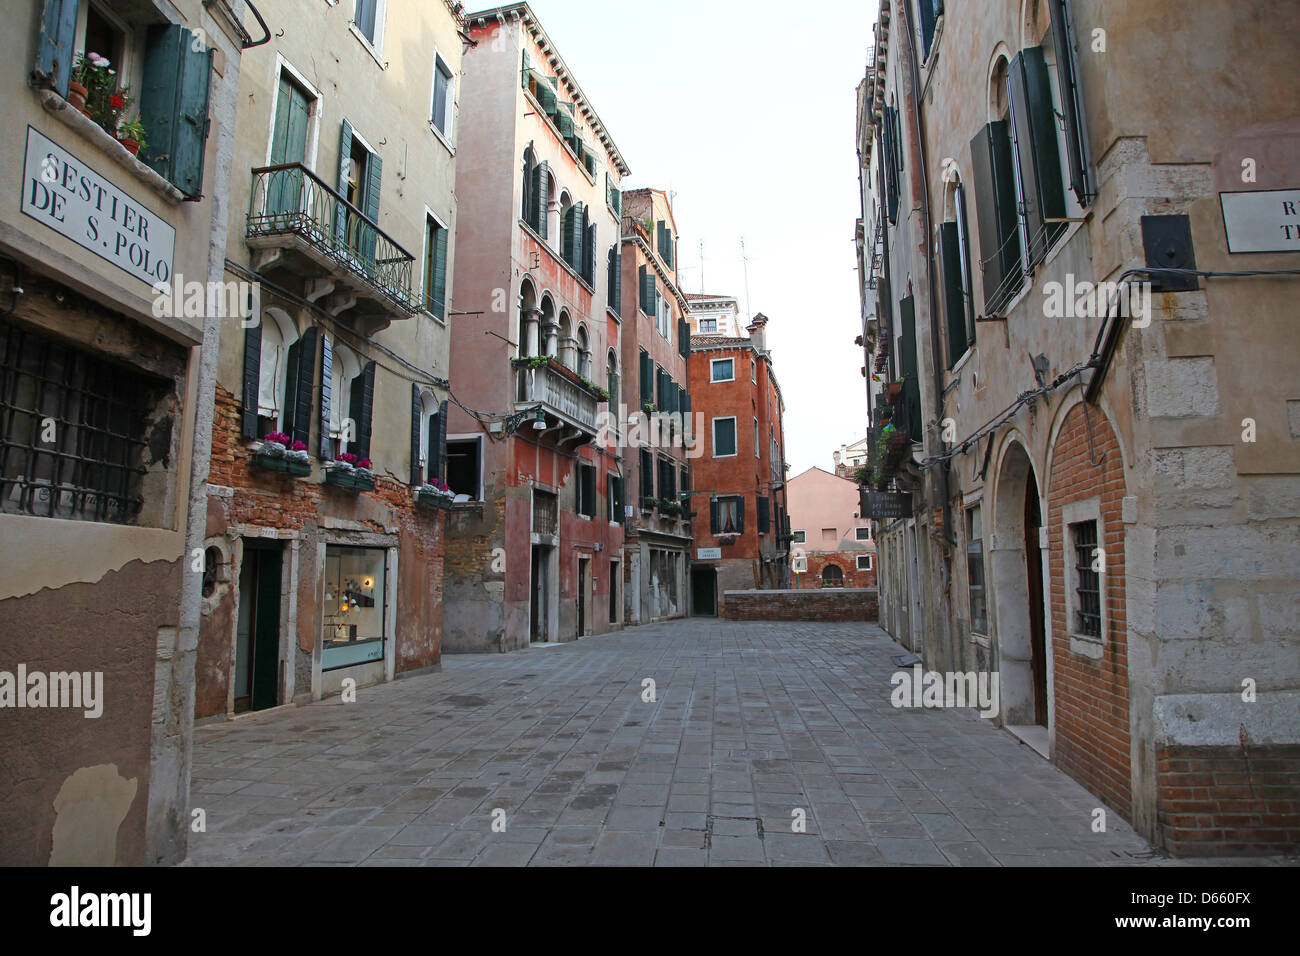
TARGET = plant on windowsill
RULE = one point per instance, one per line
(131, 135)
(436, 495)
(273, 455)
(727, 538)
(298, 452)
(347, 471)
(669, 508)
(894, 391)
(648, 504)
(649, 408)
(553, 362)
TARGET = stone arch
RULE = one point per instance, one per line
(527, 331)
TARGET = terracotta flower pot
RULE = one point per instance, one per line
(77, 95)
(131, 145)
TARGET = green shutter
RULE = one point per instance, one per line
(326, 394)
(1033, 132)
(546, 96)
(542, 196)
(954, 303)
(174, 106)
(437, 438)
(647, 373)
(345, 158)
(995, 214)
(439, 272)
(907, 358)
(764, 515)
(1076, 137)
(417, 416)
(55, 44)
(362, 409)
(252, 379)
(374, 177)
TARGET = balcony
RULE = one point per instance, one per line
(303, 231)
(568, 403)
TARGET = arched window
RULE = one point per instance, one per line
(584, 353)
(278, 334)
(559, 216)
(548, 326)
(832, 576)
(611, 377)
(528, 331)
(345, 372)
(566, 342)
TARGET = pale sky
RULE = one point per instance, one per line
(746, 112)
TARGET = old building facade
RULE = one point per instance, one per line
(659, 436)
(325, 528)
(103, 447)
(830, 545)
(1097, 483)
(741, 473)
(537, 555)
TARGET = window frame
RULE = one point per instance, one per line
(735, 440)
(859, 528)
(449, 102)
(432, 218)
(374, 46)
(446, 465)
(799, 536)
(713, 376)
(860, 558)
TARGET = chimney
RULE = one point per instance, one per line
(755, 331)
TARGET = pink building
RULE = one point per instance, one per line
(536, 555)
(828, 533)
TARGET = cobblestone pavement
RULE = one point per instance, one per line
(752, 723)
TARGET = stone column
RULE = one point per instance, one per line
(551, 331)
(528, 347)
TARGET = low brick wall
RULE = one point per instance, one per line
(823, 604)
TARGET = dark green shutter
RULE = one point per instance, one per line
(541, 198)
(1076, 136)
(523, 72)
(55, 45)
(907, 358)
(588, 248)
(589, 491)
(715, 516)
(740, 514)
(326, 395)
(954, 303)
(647, 474)
(995, 214)
(526, 208)
(437, 453)
(647, 373)
(252, 378)
(889, 137)
(345, 160)
(683, 338)
(963, 239)
(1033, 132)
(174, 105)
(440, 272)
(660, 377)
(764, 515)
(362, 410)
(299, 386)
(644, 292)
(374, 177)
(289, 401)
(417, 422)
(928, 15)
(566, 124)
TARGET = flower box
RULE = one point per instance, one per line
(430, 497)
(724, 539)
(354, 479)
(270, 461)
(648, 504)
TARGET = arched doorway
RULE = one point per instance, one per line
(1016, 563)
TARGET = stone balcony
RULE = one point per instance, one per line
(570, 407)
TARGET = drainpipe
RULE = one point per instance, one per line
(936, 355)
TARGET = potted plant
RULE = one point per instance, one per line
(273, 454)
(91, 75)
(647, 504)
(894, 391)
(437, 494)
(131, 135)
(275, 444)
(298, 452)
(727, 538)
(345, 462)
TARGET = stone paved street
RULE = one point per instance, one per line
(752, 722)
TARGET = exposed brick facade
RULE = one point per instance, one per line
(1222, 800)
(1091, 694)
(830, 604)
(846, 561)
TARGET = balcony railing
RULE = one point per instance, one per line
(566, 400)
(290, 200)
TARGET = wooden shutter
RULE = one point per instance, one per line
(345, 160)
(1033, 131)
(890, 163)
(764, 515)
(907, 358)
(995, 214)
(954, 304)
(541, 197)
(740, 514)
(928, 15)
(523, 72)
(362, 410)
(439, 272)
(299, 386)
(1076, 135)
(374, 176)
(963, 248)
(646, 293)
(437, 452)
(527, 206)
(647, 373)
(326, 395)
(647, 474)
(174, 105)
(683, 338)
(715, 516)
(252, 378)
(55, 45)
(612, 280)
(417, 423)
(588, 247)
(659, 389)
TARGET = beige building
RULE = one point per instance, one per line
(1098, 486)
(103, 437)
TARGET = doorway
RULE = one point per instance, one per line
(538, 606)
(1034, 573)
(613, 591)
(704, 588)
(584, 574)
(257, 634)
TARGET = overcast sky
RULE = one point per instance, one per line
(746, 112)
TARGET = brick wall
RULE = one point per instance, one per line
(831, 604)
(1229, 801)
(1091, 695)
(846, 561)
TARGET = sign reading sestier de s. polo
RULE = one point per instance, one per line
(75, 201)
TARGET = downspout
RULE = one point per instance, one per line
(936, 355)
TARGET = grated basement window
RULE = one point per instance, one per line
(1088, 614)
(72, 431)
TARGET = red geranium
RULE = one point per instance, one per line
(118, 101)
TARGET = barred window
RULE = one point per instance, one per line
(73, 440)
(1088, 591)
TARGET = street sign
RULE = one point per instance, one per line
(1263, 221)
(884, 504)
(709, 554)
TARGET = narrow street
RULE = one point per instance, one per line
(751, 723)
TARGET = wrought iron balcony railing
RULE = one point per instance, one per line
(291, 200)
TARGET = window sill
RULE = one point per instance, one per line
(428, 314)
(89, 130)
(1084, 646)
(370, 48)
(442, 138)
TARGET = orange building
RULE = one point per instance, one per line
(742, 528)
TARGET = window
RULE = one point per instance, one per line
(614, 497)
(756, 446)
(664, 235)
(722, 370)
(665, 319)
(928, 11)
(832, 576)
(727, 515)
(435, 269)
(344, 378)
(862, 534)
(76, 433)
(444, 96)
(647, 378)
(431, 451)
(724, 437)
(1087, 566)
(611, 379)
(667, 479)
(975, 571)
(368, 19)
(538, 188)
(647, 475)
(614, 280)
(1039, 186)
(586, 490)
(954, 248)
(799, 537)
(648, 290)
(864, 562)
(464, 467)
(354, 628)
(830, 536)
(753, 371)
(708, 326)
